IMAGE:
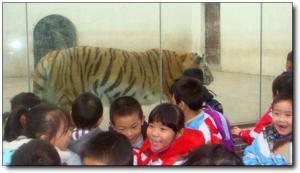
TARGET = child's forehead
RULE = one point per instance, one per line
(283, 103)
(128, 118)
(158, 123)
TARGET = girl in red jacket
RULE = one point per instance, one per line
(168, 142)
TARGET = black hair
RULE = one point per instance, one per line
(13, 127)
(124, 106)
(194, 72)
(112, 148)
(36, 152)
(45, 119)
(283, 84)
(290, 57)
(189, 90)
(26, 99)
(213, 154)
(281, 97)
(168, 115)
(20, 104)
(87, 109)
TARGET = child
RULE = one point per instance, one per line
(49, 123)
(189, 95)
(264, 149)
(282, 84)
(289, 62)
(126, 117)
(198, 74)
(36, 152)
(87, 113)
(213, 154)
(14, 125)
(108, 148)
(168, 141)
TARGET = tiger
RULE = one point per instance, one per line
(60, 76)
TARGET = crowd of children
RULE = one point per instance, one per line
(190, 130)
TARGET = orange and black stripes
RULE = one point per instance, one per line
(61, 76)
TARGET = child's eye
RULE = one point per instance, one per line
(288, 115)
(133, 127)
(121, 130)
(163, 129)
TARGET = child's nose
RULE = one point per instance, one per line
(129, 133)
(154, 132)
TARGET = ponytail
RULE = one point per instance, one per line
(13, 127)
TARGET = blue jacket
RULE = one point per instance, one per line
(259, 153)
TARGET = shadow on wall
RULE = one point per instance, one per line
(53, 32)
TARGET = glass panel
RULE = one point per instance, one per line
(132, 27)
(240, 61)
(236, 69)
(228, 34)
(182, 39)
(15, 61)
(276, 43)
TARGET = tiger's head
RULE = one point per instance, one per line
(193, 60)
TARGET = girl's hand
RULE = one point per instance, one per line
(235, 130)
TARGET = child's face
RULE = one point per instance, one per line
(62, 138)
(160, 136)
(289, 66)
(92, 161)
(130, 126)
(282, 117)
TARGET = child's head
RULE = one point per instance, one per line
(194, 72)
(213, 154)
(26, 99)
(289, 62)
(282, 114)
(126, 117)
(166, 122)
(188, 91)
(36, 152)
(87, 111)
(108, 148)
(20, 104)
(49, 123)
(283, 84)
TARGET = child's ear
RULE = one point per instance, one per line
(111, 125)
(43, 137)
(22, 120)
(182, 105)
(99, 121)
(179, 133)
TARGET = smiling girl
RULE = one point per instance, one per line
(167, 140)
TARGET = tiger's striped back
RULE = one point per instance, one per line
(61, 76)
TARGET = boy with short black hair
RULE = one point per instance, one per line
(87, 110)
(36, 152)
(189, 94)
(209, 100)
(126, 117)
(213, 155)
(108, 148)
